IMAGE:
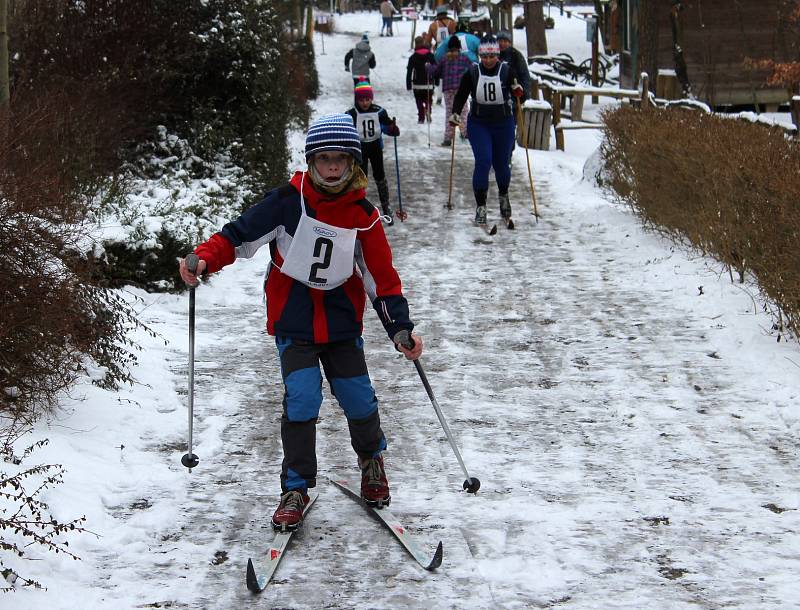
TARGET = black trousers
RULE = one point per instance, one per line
(372, 154)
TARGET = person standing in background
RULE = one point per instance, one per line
(387, 11)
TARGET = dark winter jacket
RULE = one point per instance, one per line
(364, 130)
(293, 309)
(416, 75)
(363, 59)
(516, 60)
(469, 83)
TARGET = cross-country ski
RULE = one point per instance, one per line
(427, 561)
(257, 580)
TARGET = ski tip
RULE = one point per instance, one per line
(437, 558)
(252, 579)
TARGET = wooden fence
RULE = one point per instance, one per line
(562, 93)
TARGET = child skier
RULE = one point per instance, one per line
(449, 70)
(371, 122)
(319, 227)
(417, 79)
(491, 124)
(359, 60)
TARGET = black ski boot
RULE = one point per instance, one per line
(505, 211)
(480, 210)
(505, 206)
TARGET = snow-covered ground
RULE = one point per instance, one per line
(631, 416)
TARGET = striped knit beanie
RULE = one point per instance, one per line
(363, 91)
(489, 46)
(333, 132)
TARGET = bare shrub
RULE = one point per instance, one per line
(25, 519)
(727, 187)
(53, 314)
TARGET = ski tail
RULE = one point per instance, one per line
(252, 580)
(395, 527)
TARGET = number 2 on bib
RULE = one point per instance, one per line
(326, 245)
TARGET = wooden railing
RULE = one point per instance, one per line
(557, 90)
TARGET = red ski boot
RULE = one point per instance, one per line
(374, 485)
(289, 514)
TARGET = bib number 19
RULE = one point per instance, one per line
(323, 248)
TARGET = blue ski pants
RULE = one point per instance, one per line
(492, 143)
(346, 371)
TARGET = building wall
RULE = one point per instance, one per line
(716, 37)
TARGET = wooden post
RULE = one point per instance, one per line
(795, 106)
(534, 27)
(645, 91)
(556, 104)
(310, 24)
(534, 89)
(5, 93)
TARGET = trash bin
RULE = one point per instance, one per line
(537, 118)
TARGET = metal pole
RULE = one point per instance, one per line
(452, 164)
(401, 214)
(471, 484)
(190, 460)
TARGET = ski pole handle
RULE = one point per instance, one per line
(403, 338)
(192, 260)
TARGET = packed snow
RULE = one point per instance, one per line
(628, 409)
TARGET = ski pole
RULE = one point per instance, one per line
(400, 212)
(190, 460)
(428, 102)
(471, 484)
(527, 157)
(452, 163)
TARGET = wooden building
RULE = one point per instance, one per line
(704, 46)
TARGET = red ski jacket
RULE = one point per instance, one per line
(293, 309)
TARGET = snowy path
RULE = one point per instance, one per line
(636, 436)
(626, 452)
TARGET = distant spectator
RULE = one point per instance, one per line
(387, 11)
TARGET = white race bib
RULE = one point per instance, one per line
(490, 89)
(441, 34)
(320, 255)
(368, 125)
